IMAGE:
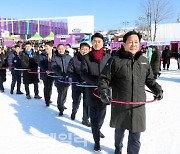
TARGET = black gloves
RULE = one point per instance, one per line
(159, 95)
(64, 75)
(105, 99)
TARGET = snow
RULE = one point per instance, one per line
(27, 126)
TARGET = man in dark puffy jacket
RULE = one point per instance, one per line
(60, 62)
(74, 73)
(91, 67)
(127, 73)
(15, 62)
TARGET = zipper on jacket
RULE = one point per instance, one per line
(62, 65)
(132, 67)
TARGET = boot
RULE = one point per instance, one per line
(86, 123)
(97, 147)
(73, 116)
(117, 151)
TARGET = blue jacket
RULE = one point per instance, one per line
(15, 62)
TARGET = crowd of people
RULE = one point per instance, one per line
(121, 75)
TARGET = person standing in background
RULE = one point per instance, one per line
(166, 55)
(177, 57)
(149, 53)
(3, 65)
(155, 61)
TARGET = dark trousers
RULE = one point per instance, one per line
(16, 78)
(76, 97)
(62, 94)
(48, 89)
(36, 89)
(97, 115)
(1, 87)
(178, 65)
(133, 141)
(164, 66)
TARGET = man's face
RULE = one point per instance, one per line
(132, 44)
(48, 48)
(84, 50)
(61, 49)
(28, 47)
(17, 49)
(97, 43)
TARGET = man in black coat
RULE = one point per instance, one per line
(127, 73)
(45, 59)
(3, 65)
(60, 62)
(15, 62)
(155, 61)
(91, 67)
(29, 62)
(74, 73)
(166, 55)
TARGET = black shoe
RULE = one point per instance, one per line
(97, 147)
(1, 91)
(60, 113)
(64, 107)
(50, 102)
(28, 96)
(37, 97)
(11, 92)
(101, 135)
(19, 93)
(86, 123)
(73, 115)
(117, 151)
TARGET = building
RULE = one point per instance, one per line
(30, 27)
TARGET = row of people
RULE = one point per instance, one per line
(125, 72)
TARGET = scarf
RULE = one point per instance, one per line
(49, 56)
(29, 53)
(98, 54)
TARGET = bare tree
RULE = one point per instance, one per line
(155, 11)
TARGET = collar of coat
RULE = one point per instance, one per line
(128, 55)
(60, 55)
(78, 55)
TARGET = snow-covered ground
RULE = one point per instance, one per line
(28, 127)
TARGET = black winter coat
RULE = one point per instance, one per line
(128, 75)
(74, 70)
(60, 64)
(32, 65)
(155, 62)
(44, 65)
(90, 72)
(14, 62)
(3, 65)
(166, 55)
